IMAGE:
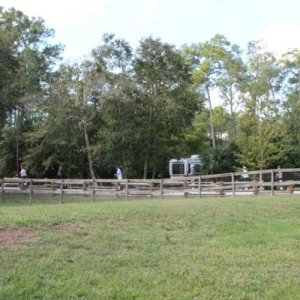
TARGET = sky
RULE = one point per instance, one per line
(79, 25)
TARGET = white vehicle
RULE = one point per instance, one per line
(191, 166)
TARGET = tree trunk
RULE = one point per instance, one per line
(146, 165)
(232, 114)
(88, 149)
(212, 130)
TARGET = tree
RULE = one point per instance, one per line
(218, 67)
(78, 114)
(291, 121)
(167, 104)
(260, 130)
(199, 57)
(230, 75)
(57, 137)
(27, 60)
(113, 61)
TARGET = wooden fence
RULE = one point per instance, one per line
(227, 184)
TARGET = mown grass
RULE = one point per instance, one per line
(210, 248)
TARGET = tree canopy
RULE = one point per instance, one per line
(138, 108)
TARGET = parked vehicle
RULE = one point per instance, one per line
(191, 166)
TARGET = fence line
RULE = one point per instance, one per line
(230, 184)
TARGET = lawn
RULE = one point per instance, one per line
(209, 248)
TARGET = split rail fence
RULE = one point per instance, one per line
(227, 184)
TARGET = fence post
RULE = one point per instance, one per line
(199, 187)
(30, 191)
(232, 184)
(261, 186)
(185, 188)
(93, 190)
(126, 187)
(161, 186)
(62, 191)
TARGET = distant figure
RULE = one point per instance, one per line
(279, 176)
(119, 174)
(23, 175)
(60, 172)
(245, 176)
(23, 172)
(192, 171)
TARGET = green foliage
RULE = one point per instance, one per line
(145, 109)
(261, 130)
(225, 160)
(169, 104)
(141, 107)
(26, 60)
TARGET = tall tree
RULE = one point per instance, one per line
(291, 120)
(113, 61)
(218, 70)
(199, 57)
(260, 130)
(168, 103)
(26, 61)
(79, 96)
(230, 75)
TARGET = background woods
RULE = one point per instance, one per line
(140, 107)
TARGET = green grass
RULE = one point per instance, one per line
(210, 248)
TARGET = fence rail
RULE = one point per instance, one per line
(260, 182)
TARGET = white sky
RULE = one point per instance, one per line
(79, 25)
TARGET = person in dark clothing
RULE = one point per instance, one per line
(60, 172)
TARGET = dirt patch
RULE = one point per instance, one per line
(64, 228)
(10, 237)
(115, 224)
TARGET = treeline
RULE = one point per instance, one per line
(140, 107)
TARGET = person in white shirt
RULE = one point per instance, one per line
(23, 175)
(192, 171)
(119, 174)
(245, 175)
(23, 172)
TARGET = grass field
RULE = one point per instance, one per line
(210, 248)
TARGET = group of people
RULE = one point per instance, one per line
(60, 172)
(24, 174)
(278, 176)
(119, 173)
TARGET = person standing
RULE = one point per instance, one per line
(245, 176)
(119, 174)
(192, 171)
(60, 172)
(23, 172)
(279, 176)
(192, 174)
(23, 175)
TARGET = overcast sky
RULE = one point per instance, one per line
(79, 25)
